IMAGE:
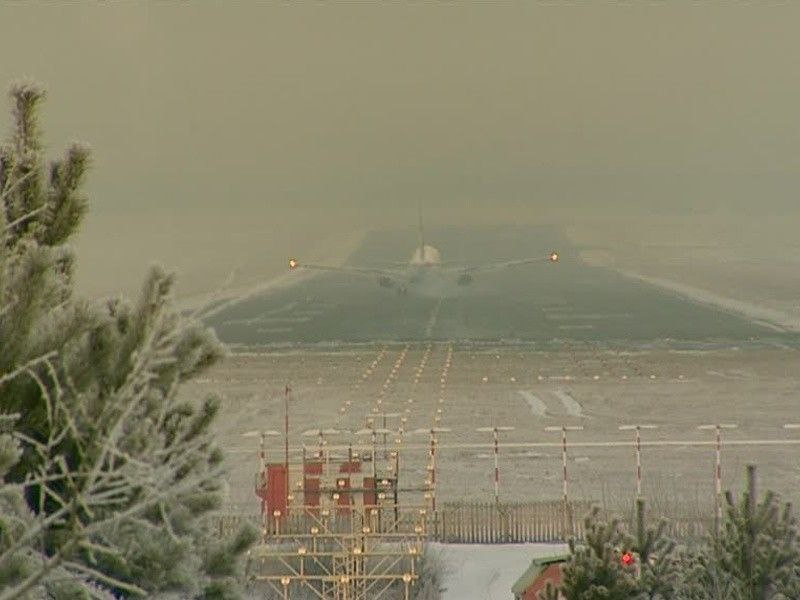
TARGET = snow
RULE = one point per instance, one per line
(766, 317)
(486, 571)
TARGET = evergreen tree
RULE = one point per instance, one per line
(108, 477)
(657, 557)
(756, 555)
(596, 570)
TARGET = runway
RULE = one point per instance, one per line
(544, 302)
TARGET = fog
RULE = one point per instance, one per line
(231, 135)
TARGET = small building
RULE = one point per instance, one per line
(535, 578)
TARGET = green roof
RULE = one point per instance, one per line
(537, 566)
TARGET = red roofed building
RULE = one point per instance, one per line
(534, 580)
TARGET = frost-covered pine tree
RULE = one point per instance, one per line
(107, 477)
(756, 555)
(595, 570)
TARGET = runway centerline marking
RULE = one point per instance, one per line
(433, 318)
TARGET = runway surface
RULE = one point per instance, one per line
(543, 302)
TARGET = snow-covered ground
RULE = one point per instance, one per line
(743, 266)
(486, 571)
(754, 386)
(774, 319)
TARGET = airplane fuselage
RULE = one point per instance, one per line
(424, 270)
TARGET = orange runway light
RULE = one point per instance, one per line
(554, 256)
(293, 264)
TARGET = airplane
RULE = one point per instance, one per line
(424, 265)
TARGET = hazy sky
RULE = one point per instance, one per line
(234, 134)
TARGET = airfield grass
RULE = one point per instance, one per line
(596, 387)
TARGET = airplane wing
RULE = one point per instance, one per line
(551, 257)
(386, 277)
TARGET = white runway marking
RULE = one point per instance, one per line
(586, 316)
(284, 308)
(731, 374)
(309, 312)
(293, 319)
(571, 405)
(538, 408)
(432, 320)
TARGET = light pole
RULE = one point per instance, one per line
(384, 416)
(432, 465)
(374, 433)
(718, 470)
(321, 433)
(495, 431)
(637, 443)
(563, 429)
(406, 582)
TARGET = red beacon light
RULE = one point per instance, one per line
(293, 263)
(628, 559)
(553, 256)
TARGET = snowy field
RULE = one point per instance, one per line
(486, 572)
(599, 387)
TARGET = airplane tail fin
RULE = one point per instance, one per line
(421, 231)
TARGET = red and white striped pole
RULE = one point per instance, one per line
(496, 470)
(495, 433)
(564, 460)
(718, 467)
(563, 429)
(637, 445)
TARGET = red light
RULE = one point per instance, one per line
(627, 558)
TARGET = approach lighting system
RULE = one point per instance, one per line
(293, 263)
(553, 256)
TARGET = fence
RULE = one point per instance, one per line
(471, 522)
(498, 523)
(454, 522)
